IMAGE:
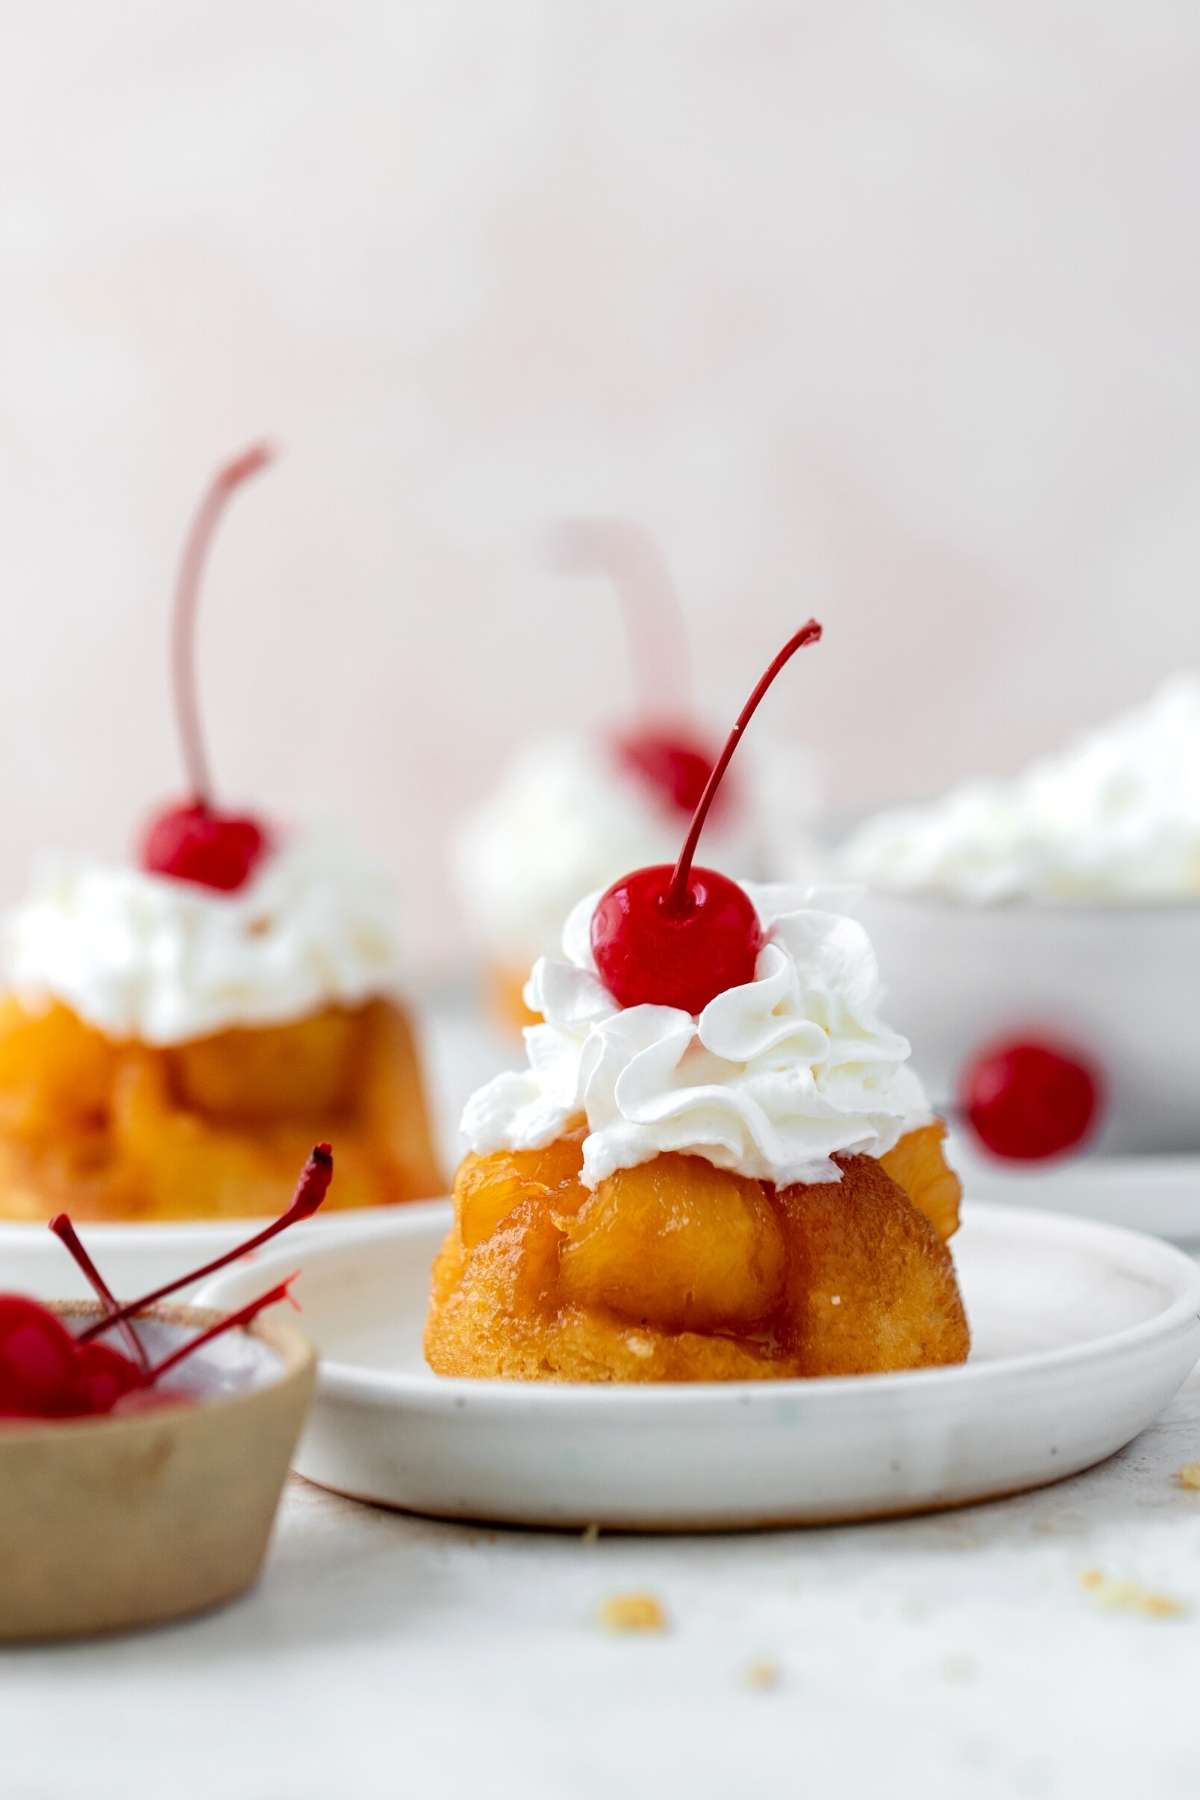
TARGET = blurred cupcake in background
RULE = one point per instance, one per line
(573, 809)
(178, 1029)
(1056, 911)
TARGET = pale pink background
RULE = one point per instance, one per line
(885, 311)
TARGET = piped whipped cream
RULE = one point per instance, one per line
(1114, 817)
(164, 961)
(564, 818)
(770, 1081)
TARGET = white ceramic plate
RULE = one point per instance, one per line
(135, 1258)
(1082, 1334)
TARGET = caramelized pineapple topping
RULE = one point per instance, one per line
(678, 1271)
(211, 1128)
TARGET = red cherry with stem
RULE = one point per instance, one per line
(681, 936)
(46, 1373)
(1027, 1100)
(648, 956)
(675, 766)
(310, 1192)
(193, 841)
(39, 1376)
(670, 759)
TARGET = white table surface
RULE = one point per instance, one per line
(959, 1655)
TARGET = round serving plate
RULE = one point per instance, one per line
(135, 1258)
(1082, 1332)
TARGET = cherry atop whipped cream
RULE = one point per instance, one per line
(770, 1080)
(147, 957)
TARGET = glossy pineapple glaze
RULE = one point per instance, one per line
(678, 1271)
(212, 1128)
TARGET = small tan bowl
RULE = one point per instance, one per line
(115, 1522)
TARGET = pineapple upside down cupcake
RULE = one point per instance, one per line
(174, 1035)
(718, 1163)
(573, 809)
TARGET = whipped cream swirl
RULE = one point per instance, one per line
(770, 1081)
(1114, 817)
(164, 961)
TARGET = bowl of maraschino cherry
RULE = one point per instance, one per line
(573, 809)
(144, 1445)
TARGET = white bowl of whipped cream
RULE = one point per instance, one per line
(1063, 904)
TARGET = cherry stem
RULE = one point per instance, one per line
(183, 626)
(655, 632)
(676, 897)
(310, 1191)
(66, 1234)
(243, 1316)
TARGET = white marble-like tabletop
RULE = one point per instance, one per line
(1046, 1646)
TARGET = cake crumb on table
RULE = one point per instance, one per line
(762, 1674)
(633, 1612)
(1189, 1475)
(1130, 1596)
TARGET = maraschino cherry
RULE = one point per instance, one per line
(47, 1373)
(194, 841)
(39, 1376)
(1028, 1100)
(670, 758)
(680, 936)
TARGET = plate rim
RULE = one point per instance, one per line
(340, 1380)
(126, 1233)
